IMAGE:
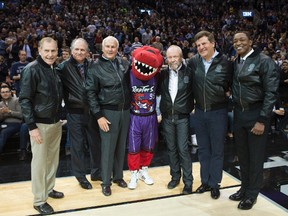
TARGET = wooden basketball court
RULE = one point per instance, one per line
(17, 199)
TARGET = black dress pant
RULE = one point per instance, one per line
(250, 149)
(113, 145)
(84, 128)
(176, 133)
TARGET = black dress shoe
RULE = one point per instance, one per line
(239, 195)
(215, 193)
(56, 194)
(106, 190)
(203, 188)
(84, 183)
(44, 209)
(120, 183)
(172, 184)
(246, 203)
(187, 190)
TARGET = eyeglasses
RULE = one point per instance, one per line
(5, 92)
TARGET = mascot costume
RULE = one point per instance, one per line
(143, 133)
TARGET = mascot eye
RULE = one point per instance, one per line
(151, 51)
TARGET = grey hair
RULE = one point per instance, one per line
(178, 49)
(79, 39)
(110, 38)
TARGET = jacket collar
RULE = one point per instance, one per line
(74, 62)
(255, 53)
(42, 62)
(218, 56)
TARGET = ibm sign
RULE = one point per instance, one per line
(247, 14)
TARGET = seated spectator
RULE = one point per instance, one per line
(10, 116)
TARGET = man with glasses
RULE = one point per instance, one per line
(10, 116)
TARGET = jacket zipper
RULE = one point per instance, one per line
(240, 92)
(121, 86)
(57, 88)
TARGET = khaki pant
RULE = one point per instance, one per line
(45, 161)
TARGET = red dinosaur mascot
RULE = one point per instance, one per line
(143, 133)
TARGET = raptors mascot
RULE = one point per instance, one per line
(143, 132)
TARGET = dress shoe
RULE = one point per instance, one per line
(56, 194)
(84, 183)
(120, 183)
(203, 188)
(239, 195)
(172, 184)
(44, 209)
(187, 190)
(215, 193)
(96, 178)
(106, 190)
(247, 203)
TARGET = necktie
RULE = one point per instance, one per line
(81, 70)
(241, 63)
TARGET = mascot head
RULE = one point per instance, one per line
(146, 62)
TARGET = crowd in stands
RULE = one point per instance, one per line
(134, 22)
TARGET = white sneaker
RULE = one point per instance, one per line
(143, 175)
(134, 179)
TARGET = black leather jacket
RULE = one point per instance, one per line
(210, 89)
(256, 85)
(107, 86)
(41, 94)
(184, 101)
(74, 86)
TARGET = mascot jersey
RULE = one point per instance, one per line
(143, 96)
(143, 132)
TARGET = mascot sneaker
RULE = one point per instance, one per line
(143, 175)
(133, 181)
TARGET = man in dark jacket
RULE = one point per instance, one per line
(109, 101)
(175, 106)
(211, 75)
(40, 100)
(255, 91)
(10, 115)
(81, 125)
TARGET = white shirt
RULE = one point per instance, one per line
(248, 54)
(173, 83)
